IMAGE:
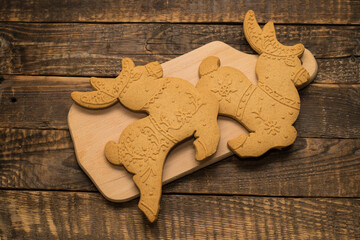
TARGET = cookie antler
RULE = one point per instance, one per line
(264, 41)
(107, 90)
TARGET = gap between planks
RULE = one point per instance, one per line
(178, 194)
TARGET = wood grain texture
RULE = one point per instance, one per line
(40, 159)
(44, 102)
(65, 215)
(285, 11)
(327, 108)
(45, 159)
(309, 167)
(338, 70)
(67, 43)
(96, 49)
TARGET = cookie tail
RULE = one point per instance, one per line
(112, 153)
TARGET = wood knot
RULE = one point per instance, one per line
(4, 42)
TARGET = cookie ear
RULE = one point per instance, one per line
(127, 64)
(154, 69)
(209, 65)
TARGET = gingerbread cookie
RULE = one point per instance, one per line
(177, 110)
(269, 109)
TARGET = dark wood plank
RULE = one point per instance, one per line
(96, 49)
(338, 70)
(310, 167)
(285, 11)
(328, 110)
(68, 215)
(40, 159)
(45, 159)
(38, 102)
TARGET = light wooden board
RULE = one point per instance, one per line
(92, 129)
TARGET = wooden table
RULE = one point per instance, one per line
(48, 49)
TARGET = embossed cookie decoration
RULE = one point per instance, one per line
(268, 109)
(177, 110)
(106, 91)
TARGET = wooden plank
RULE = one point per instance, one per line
(40, 102)
(40, 159)
(328, 110)
(96, 49)
(338, 70)
(68, 215)
(45, 159)
(285, 11)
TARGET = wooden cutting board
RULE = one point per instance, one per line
(92, 129)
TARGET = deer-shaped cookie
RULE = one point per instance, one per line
(177, 110)
(268, 109)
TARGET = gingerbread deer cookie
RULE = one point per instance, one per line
(268, 109)
(177, 110)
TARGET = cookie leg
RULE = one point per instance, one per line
(286, 138)
(237, 142)
(259, 142)
(142, 151)
(248, 146)
(207, 139)
(150, 183)
(148, 178)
